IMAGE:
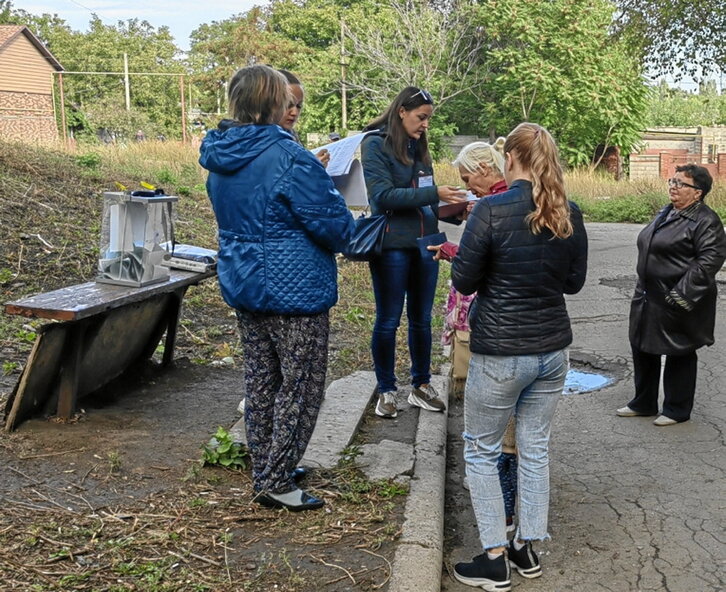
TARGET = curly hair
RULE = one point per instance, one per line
(537, 152)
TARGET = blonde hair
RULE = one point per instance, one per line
(537, 153)
(472, 155)
(258, 94)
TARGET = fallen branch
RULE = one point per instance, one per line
(45, 455)
(352, 579)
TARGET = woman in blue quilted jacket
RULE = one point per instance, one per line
(281, 221)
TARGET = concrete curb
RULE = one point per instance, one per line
(417, 563)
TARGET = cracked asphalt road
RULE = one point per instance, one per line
(634, 507)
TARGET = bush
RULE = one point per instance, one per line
(635, 209)
(90, 160)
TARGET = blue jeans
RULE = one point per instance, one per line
(495, 388)
(402, 275)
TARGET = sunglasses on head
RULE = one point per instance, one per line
(425, 95)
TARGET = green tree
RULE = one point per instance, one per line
(219, 49)
(554, 63)
(677, 108)
(97, 101)
(674, 36)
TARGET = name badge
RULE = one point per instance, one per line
(426, 181)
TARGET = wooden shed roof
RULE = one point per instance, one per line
(9, 32)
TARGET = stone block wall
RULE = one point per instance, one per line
(27, 117)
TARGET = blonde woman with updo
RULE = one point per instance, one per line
(521, 251)
(481, 168)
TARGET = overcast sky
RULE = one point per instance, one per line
(181, 16)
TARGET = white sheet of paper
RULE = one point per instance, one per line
(342, 154)
(353, 185)
(469, 197)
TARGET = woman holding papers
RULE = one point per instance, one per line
(399, 178)
(281, 221)
(521, 251)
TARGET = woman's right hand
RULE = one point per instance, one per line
(451, 195)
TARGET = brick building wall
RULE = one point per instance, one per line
(26, 101)
(666, 148)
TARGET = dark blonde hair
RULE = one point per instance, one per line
(409, 98)
(258, 94)
(537, 153)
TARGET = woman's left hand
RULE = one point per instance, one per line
(324, 157)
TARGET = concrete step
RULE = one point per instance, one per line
(340, 415)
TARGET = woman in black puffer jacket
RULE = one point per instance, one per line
(522, 250)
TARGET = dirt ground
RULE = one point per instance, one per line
(118, 500)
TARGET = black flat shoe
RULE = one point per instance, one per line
(299, 474)
(307, 502)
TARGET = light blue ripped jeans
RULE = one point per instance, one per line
(496, 387)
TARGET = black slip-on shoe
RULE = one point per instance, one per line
(525, 561)
(492, 575)
(299, 473)
(307, 502)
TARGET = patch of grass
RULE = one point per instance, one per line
(114, 461)
(623, 209)
(9, 368)
(25, 335)
(90, 160)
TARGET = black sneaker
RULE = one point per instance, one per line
(525, 561)
(493, 575)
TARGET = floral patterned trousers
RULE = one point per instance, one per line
(285, 361)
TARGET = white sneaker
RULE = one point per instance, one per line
(628, 412)
(241, 406)
(426, 397)
(662, 420)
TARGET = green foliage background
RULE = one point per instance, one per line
(575, 66)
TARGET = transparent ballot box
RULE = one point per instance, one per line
(134, 226)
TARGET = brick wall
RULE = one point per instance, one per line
(667, 148)
(644, 166)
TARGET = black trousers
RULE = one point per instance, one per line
(679, 384)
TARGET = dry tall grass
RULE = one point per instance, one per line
(603, 198)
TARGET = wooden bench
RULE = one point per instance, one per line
(101, 331)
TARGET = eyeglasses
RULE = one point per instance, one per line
(425, 95)
(678, 184)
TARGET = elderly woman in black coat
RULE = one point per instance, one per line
(673, 311)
